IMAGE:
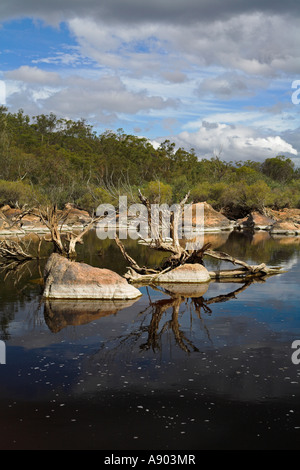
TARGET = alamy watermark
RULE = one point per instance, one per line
(296, 353)
(2, 352)
(155, 222)
(2, 93)
(296, 93)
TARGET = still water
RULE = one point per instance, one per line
(210, 371)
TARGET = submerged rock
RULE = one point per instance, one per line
(185, 274)
(65, 279)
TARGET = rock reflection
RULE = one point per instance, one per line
(59, 314)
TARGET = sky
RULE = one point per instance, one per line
(216, 76)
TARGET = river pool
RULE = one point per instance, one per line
(210, 371)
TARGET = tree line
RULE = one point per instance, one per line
(47, 160)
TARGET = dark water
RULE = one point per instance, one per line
(159, 373)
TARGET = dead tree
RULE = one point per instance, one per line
(180, 255)
(64, 242)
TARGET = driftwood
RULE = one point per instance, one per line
(178, 255)
(16, 258)
(255, 272)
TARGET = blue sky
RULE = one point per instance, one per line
(213, 75)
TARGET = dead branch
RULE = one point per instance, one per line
(158, 243)
(11, 250)
(133, 264)
(178, 255)
(51, 218)
(247, 270)
(226, 257)
(73, 239)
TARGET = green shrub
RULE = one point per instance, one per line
(91, 199)
(248, 197)
(158, 192)
(16, 193)
(210, 192)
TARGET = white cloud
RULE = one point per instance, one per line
(230, 85)
(104, 96)
(175, 64)
(249, 43)
(33, 75)
(233, 142)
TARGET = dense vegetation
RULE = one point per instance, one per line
(46, 159)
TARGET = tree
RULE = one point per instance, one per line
(279, 168)
(45, 124)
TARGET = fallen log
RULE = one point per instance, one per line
(257, 271)
(230, 274)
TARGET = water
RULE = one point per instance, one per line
(158, 373)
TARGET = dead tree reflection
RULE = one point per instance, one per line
(156, 328)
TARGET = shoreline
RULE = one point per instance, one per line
(276, 222)
(40, 231)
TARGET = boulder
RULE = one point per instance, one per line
(185, 274)
(11, 213)
(65, 279)
(257, 221)
(286, 214)
(32, 221)
(214, 221)
(285, 227)
(77, 216)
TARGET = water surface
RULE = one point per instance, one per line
(163, 372)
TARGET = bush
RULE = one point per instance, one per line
(212, 193)
(248, 197)
(247, 174)
(16, 193)
(286, 196)
(158, 192)
(90, 200)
